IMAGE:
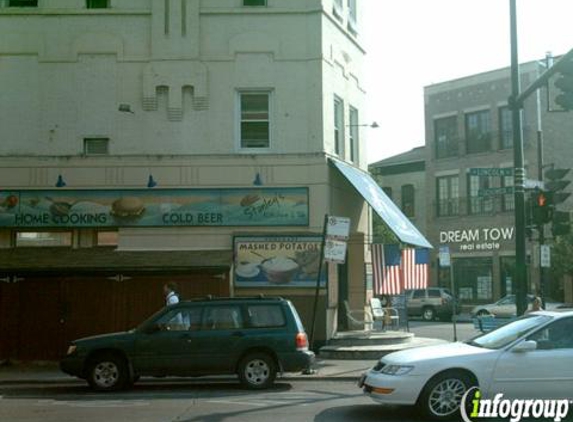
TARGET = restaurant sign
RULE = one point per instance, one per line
(154, 207)
(277, 261)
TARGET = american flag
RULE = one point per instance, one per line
(386, 264)
(394, 271)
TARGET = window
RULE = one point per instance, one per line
(96, 146)
(558, 335)
(478, 132)
(254, 2)
(255, 123)
(183, 319)
(23, 3)
(107, 238)
(434, 293)
(352, 16)
(97, 4)
(266, 316)
(446, 137)
(408, 200)
(507, 199)
(43, 239)
(448, 196)
(479, 204)
(353, 133)
(223, 318)
(419, 294)
(337, 9)
(388, 191)
(505, 128)
(338, 125)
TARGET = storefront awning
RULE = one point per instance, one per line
(382, 205)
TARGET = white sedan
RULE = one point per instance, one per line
(530, 358)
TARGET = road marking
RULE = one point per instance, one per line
(240, 403)
(94, 404)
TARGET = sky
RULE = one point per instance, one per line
(411, 44)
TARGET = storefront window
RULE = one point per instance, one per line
(43, 239)
(473, 279)
(107, 238)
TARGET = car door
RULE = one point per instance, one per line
(544, 373)
(416, 302)
(170, 345)
(221, 338)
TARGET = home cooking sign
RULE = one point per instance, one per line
(154, 208)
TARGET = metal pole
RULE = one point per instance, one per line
(519, 171)
(452, 287)
(540, 229)
(317, 291)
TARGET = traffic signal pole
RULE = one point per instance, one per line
(519, 170)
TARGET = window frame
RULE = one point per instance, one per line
(478, 140)
(239, 119)
(352, 13)
(338, 126)
(478, 205)
(505, 123)
(451, 201)
(408, 200)
(353, 134)
(507, 199)
(89, 139)
(450, 147)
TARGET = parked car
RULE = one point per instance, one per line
(431, 303)
(252, 337)
(506, 307)
(529, 358)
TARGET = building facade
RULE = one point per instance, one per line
(145, 141)
(469, 126)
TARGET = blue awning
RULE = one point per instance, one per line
(382, 205)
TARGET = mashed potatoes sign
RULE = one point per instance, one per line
(280, 261)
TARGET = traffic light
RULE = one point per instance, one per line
(565, 83)
(561, 223)
(555, 186)
(541, 207)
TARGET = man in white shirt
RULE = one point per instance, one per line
(171, 295)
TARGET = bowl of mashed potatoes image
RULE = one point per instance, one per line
(280, 270)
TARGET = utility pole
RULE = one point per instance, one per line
(519, 170)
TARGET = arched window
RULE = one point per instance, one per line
(408, 200)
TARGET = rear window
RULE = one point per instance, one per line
(266, 316)
(434, 293)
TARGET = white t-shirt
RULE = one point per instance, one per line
(172, 299)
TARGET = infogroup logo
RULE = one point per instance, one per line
(515, 409)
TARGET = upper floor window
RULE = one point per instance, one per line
(353, 134)
(446, 137)
(448, 193)
(338, 125)
(254, 119)
(23, 3)
(479, 203)
(388, 191)
(408, 200)
(505, 128)
(254, 2)
(337, 8)
(96, 146)
(352, 16)
(508, 199)
(478, 132)
(97, 4)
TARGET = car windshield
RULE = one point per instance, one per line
(508, 333)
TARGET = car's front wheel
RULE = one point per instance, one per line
(442, 395)
(257, 371)
(107, 372)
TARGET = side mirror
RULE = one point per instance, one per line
(525, 346)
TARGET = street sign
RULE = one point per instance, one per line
(338, 227)
(335, 251)
(478, 171)
(495, 191)
(545, 255)
(444, 256)
(533, 184)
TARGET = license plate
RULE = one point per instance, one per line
(361, 381)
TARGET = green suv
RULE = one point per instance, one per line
(254, 338)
